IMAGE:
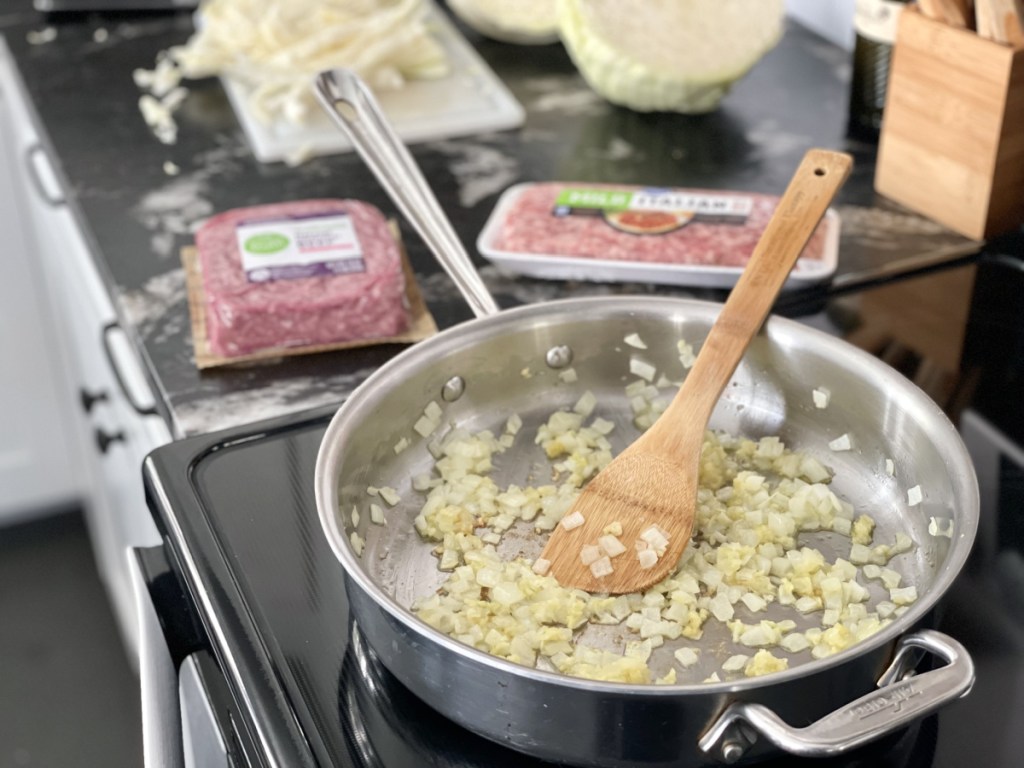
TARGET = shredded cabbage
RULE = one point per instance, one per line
(276, 47)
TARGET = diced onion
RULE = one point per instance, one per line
(720, 607)
(601, 568)
(655, 538)
(513, 424)
(357, 543)
(390, 495)
(735, 663)
(687, 657)
(638, 649)
(903, 595)
(541, 566)
(377, 514)
(643, 369)
(634, 340)
(764, 663)
(636, 388)
(754, 602)
(586, 404)
(821, 397)
(669, 678)
(885, 609)
(590, 554)
(424, 426)
(611, 545)
(914, 496)
(842, 525)
(890, 578)
(686, 355)
(756, 499)
(841, 443)
(648, 558)
(808, 604)
(795, 642)
(574, 520)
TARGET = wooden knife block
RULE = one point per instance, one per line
(952, 140)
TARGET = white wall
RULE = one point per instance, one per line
(833, 19)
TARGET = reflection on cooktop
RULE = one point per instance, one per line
(388, 727)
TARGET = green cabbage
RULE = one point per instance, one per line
(668, 55)
(525, 22)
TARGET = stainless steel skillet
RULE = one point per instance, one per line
(508, 362)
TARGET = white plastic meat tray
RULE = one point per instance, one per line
(553, 266)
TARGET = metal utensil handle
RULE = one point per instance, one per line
(898, 702)
(352, 106)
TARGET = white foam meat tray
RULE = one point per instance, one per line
(553, 266)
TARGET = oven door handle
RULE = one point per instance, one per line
(162, 746)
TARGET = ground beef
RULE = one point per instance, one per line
(530, 226)
(244, 316)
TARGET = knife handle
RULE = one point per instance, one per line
(1002, 21)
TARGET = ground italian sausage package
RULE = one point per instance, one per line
(675, 236)
(295, 277)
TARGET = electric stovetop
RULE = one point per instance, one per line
(242, 535)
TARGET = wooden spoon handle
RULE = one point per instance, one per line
(801, 207)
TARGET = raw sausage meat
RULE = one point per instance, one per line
(536, 223)
(359, 296)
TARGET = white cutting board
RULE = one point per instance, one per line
(471, 99)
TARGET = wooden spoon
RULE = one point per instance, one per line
(654, 481)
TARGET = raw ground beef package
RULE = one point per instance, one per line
(302, 273)
(609, 232)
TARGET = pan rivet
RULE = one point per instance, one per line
(559, 357)
(453, 389)
(732, 751)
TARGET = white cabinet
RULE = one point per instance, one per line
(37, 469)
(108, 421)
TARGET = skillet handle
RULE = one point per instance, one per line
(900, 700)
(352, 106)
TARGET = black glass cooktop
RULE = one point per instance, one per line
(238, 512)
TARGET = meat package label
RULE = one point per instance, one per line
(653, 211)
(296, 247)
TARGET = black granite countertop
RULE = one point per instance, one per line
(136, 218)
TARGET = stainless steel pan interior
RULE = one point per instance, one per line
(502, 363)
(508, 363)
